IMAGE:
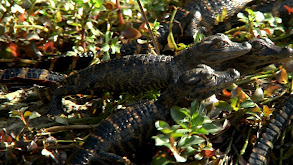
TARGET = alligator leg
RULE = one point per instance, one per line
(56, 99)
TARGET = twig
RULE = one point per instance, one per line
(149, 27)
(69, 127)
(120, 16)
(246, 142)
(32, 26)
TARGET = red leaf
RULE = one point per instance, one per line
(4, 137)
(226, 93)
(289, 9)
(49, 46)
(21, 17)
(267, 31)
(13, 49)
(208, 153)
(282, 76)
(236, 33)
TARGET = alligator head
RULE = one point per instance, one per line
(218, 48)
(198, 83)
(212, 50)
(263, 52)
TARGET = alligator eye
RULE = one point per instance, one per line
(220, 44)
(258, 46)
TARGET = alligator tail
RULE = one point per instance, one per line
(123, 132)
(261, 150)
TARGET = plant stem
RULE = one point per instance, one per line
(170, 29)
(149, 27)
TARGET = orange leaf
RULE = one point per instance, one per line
(226, 93)
(49, 46)
(4, 137)
(267, 111)
(289, 9)
(109, 5)
(208, 153)
(13, 49)
(271, 90)
(282, 76)
(240, 94)
(267, 31)
(144, 28)
(236, 33)
(21, 17)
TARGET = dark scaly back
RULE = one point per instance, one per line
(130, 73)
(128, 131)
(210, 9)
(194, 16)
(262, 148)
(139, 73)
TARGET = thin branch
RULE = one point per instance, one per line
(149, 27)
(120, 16)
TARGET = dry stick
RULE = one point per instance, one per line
(150, 31)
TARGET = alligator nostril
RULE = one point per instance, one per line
(247, 44)
(289, 49)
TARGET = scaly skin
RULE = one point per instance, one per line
(195, 16)
(41, 76)
(262, 53)
(262, 149)
(129, 130)
(140, 73)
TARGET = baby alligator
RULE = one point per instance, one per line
(276, 126)
(262, 53)
(196, 15)
(129, 130)
(138, 73)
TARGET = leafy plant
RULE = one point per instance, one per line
(258, 24)
(186, 139)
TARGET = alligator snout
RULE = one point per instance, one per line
(288, 50)
(246, 45)
(233, 73)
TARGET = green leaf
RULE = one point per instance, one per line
(223, 106)
(194, 107)
(176, 135)
(106, 56)
(247, 104)
(189, 151)
(197, 121)
(159, 160)
(178, 157)
(234, 103)
(177, 115)
(163, 127)
(212, 128)
(105, 48)
(162, 140)
(191, 140)
(242, 18)
(183, 131)
(201, 130)
(259, 16)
